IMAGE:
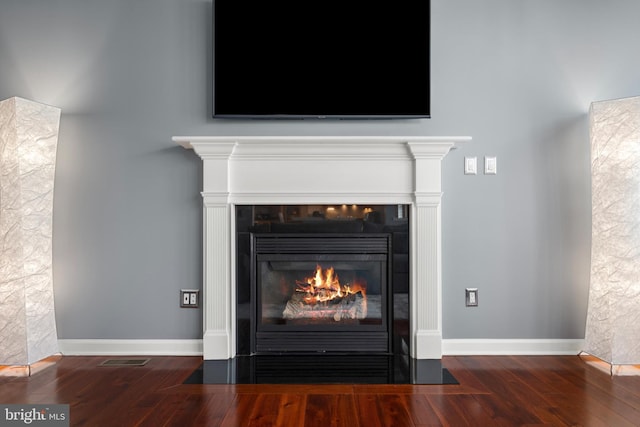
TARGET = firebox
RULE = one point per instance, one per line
(322, 293)
(310, 280)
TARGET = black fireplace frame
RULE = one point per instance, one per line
(369, 339)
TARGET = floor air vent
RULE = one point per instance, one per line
(124, 362)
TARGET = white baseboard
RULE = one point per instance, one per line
(450, 347)
(92, 347)
(520, 347)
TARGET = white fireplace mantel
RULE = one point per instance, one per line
(321, 170)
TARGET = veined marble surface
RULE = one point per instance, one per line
(613, 318)
(28, 141)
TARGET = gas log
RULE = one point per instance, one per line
(350, 306)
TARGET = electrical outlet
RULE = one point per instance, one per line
(189, 298)
(471, 297)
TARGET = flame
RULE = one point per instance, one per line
(325, 285)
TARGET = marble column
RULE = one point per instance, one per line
(613, 316)
(28, 141)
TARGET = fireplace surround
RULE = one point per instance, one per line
(322, 279)
(241, 170)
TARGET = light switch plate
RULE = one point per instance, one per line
(490, 165)
(470, 165)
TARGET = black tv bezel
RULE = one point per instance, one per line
(298, 117)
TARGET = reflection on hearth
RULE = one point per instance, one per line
(322, 369)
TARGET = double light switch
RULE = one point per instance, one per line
(471, 165)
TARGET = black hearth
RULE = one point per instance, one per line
(322, 369)
(320, 284)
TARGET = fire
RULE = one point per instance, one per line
(322, 296)
(325, 286)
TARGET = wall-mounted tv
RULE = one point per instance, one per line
(342, 59)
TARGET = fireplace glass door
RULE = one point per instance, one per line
(332, 300)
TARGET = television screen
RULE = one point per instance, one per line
(331, 59)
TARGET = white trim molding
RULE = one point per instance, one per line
(111, 347)
(262, 170)
(450, 347)
(513, 347)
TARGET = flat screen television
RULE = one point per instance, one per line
(341, 59)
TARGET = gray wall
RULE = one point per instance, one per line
(518, 76)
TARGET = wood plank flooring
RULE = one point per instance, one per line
(493, 391)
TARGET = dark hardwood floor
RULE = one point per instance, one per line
(493, 391)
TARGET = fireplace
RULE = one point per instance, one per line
(321, 279)
(257, 171)
(313, 295)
